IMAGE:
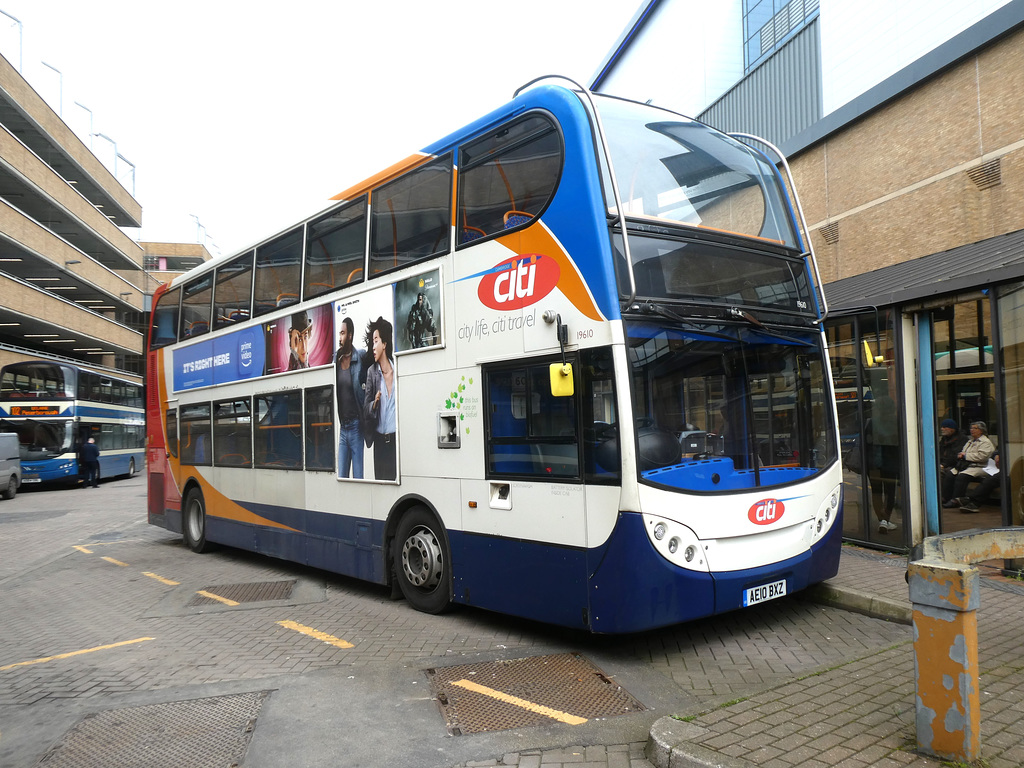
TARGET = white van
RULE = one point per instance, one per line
(10, 465)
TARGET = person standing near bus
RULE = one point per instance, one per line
(90, 457)
(349, 377)
(379, 408)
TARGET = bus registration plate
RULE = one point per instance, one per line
(760, 594)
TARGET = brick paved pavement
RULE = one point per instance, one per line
(854, 714)
(789, 672)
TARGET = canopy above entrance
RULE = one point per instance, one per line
(967, 267)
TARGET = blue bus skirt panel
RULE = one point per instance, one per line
(636, 589)
(530, 579)
(349, 546)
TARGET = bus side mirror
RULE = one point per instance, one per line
(561, 380)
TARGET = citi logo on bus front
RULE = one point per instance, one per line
(518, 282)
(766, 511)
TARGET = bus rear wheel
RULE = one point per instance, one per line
(422, 564)
(193, 521)
(131, 467)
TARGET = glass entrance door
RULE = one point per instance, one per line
(1010, 311)
(862, 351)
(965, 393)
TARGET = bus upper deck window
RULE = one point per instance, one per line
(507, 177)
(335, 249)
(278, 266)
(232, 291)
(195, 306)
(411, 216)
(165, 319)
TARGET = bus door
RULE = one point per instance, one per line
(530, 514)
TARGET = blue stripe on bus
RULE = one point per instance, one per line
(109, 412)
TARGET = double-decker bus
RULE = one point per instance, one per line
(567, 364)
(55, 408)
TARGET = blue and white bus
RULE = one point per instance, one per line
(55, 408)
(567, 363)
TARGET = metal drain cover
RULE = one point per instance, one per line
(254, 592)
(212, 732)
(500, 695)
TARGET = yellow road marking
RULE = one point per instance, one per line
(80, 548)
(330, 639)
(115, 562)
(212, 596)
(75, 653)
(563, 717)
(161, 579)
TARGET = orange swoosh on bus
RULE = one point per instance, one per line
(229, 509)
(538, 239)
(386, 175)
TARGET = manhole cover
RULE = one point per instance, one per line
(212, 732)
(246, 593)
(500, 695)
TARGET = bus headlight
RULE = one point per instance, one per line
(676, 543)
(828, 512)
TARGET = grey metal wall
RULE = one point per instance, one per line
(779, 99)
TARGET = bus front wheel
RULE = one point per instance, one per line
(422, 565)
(194, 521)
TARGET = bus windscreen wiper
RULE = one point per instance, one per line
(650, 308)
(742, 314)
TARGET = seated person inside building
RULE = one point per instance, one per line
(972, 461)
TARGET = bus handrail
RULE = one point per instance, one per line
(611, 172)
(799, 212)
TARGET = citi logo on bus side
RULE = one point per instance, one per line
(518, 282)
(766, 511)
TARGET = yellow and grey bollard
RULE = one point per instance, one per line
(944, 590)
(948, 706)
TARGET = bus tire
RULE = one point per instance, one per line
(131, 467)
(423, 567)
(193, 521)
(12, 488)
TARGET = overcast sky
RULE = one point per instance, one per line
(249, 116)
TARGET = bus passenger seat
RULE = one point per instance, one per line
(284, 299)
(515, 218)
(469, 234)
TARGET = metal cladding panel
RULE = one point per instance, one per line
(780, 98)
